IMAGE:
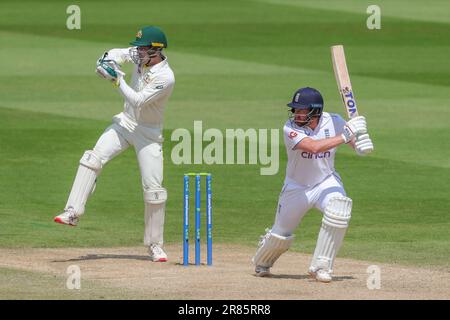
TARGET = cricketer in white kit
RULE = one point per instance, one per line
(139, 125)
(311, 137)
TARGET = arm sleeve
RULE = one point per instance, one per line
(149, 92)
(120, 55)
(339, 123)
(292, 137)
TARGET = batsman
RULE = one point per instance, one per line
(311, 137)
(139, 125)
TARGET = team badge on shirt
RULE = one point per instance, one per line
(292, 134)
(147, 78)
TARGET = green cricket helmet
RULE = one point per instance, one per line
(150, 36)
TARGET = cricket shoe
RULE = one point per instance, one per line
(68, 217)
(262, 271)
(320, 274)
(157, 254)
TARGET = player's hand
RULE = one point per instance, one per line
(109, 69)
(363, 144)
(354, 127)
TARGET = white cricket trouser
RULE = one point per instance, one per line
(296, 200)
(116, 139)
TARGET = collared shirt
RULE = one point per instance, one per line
(147, 94)
(305, 168)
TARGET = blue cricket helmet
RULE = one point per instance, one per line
(308, 99)
(305, 98)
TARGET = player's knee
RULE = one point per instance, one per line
(279, 230)
(91, 160)
(155, 195)
(338, 212)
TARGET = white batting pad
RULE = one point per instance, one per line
(84, 184)
(338, 212)
(155, 202)
(334, 225)
(270, 248)
(155, 196)
(154, 224)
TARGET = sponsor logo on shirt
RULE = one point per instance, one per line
(327, 133)
(309, 155)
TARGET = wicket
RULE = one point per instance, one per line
(197, 218)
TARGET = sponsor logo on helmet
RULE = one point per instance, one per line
(157, 44)
(139, 34)
(297, 96)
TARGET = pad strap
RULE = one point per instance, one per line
(155, 196)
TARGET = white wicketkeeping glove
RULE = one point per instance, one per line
(109, 69)
(363, 144)
(354, 127)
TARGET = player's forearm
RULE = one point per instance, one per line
(119, 55)
(322, 145)
(135, 99)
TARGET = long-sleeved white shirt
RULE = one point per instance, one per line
(147, 94)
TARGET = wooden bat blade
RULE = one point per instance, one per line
(343, 80)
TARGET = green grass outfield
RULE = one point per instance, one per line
(237, 64)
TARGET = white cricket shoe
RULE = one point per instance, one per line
(157, 254)
(320, 274)
(68, 217)
(262, 271)
(323, 276)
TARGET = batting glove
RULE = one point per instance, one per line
(354, 127)
(363, 145)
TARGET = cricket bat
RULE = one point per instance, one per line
(343, 80)
(345, 87)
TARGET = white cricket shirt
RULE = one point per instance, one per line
(147, 94)
(305, 168)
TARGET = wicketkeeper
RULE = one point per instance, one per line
(311, 137)
(139, 125)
